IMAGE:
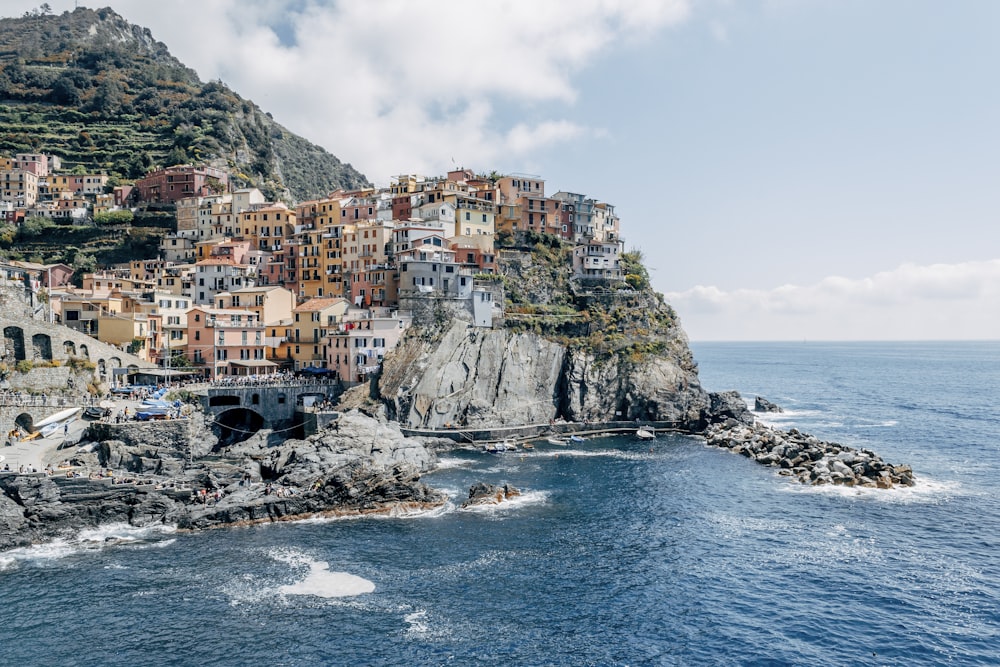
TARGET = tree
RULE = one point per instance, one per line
(65, 92)
(114, 218)
(35, 226)
(109, 97)
(83, 263)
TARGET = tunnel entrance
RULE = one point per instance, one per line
(236, 425)
(25, 423)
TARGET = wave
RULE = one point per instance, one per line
(91, 539)
(924, 490)
(446, 462)
(526, 498)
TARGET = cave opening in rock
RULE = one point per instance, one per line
(236, 425)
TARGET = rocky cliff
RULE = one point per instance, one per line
(476, 377)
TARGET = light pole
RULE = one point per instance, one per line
(48, 289)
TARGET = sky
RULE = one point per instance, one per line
(790, 169)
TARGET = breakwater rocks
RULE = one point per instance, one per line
(175, 473)
(807, 458)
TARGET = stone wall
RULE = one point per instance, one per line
(58, 379)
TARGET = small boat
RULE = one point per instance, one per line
(554, 440)
(500, 447)
(93, 412)
(645, 433)
(576, 439)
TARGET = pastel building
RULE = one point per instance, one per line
(226, 342)
(356, 347)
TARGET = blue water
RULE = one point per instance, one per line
(618, 554)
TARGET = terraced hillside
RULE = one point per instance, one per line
(105, 95)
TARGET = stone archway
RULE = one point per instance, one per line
(84, 352)
(69, 348)
(25, 422)
(41, 346)
(15, 342)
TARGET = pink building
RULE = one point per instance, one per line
(226, 342)
(356, 347)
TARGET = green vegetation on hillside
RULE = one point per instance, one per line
(628, 320)
(104, 95)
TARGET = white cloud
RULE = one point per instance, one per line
(397, 85)
(937, 301)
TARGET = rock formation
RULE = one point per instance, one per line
(159, 473)
(809, 459)
(761, 404)
(483, 378)
(490, 494)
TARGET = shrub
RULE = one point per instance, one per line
(79, 364)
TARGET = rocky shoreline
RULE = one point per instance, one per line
(177, 473)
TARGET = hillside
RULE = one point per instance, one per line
(105, 95)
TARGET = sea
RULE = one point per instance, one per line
(618, 552)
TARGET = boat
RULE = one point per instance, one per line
(576, 439)
(150, 412)
(645, 433)
(500, 447)
(60, 416)
(93, 412)
(54, 423)
(555, 440)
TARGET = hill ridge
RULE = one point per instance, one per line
(104, 94)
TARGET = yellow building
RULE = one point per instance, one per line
(473, 217)
(266, 228)
(130, 332)
(306, 334)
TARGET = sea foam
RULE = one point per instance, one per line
(320, 581)
(91, 539)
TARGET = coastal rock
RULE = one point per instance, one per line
(359, 465)
(727, 405)
(480, 377)
(660, 388)
(763, 405)
(809, 459)
(490, 494)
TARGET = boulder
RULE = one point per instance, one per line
(763, 405)
(490, 494)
